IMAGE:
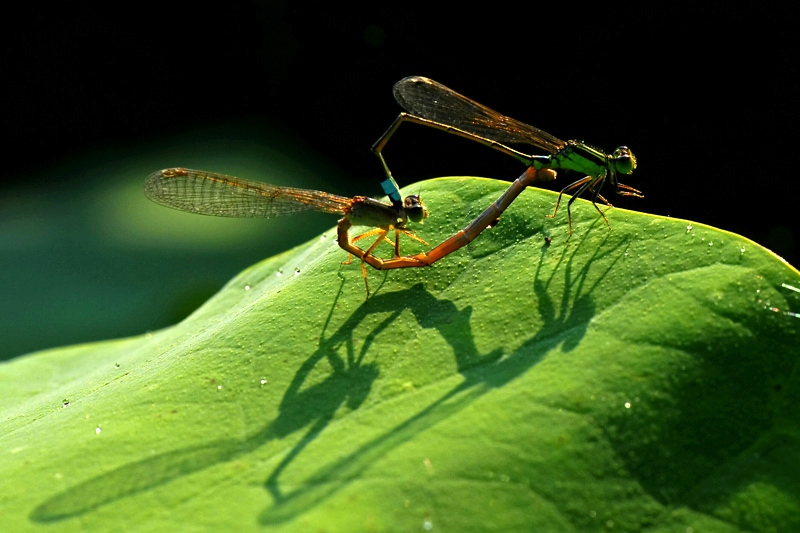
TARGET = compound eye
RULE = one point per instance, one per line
(415, 209)
(412, 201)
(624, 160)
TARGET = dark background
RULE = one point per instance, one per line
(704, 96)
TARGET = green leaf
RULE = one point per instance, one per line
(638, 379)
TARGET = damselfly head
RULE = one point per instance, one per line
(624, 160)
(414, 208)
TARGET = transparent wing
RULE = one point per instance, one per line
(209, 193)
(431, 100)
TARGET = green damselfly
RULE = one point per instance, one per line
(430, 103)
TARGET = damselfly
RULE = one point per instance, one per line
(432, 104)
(209, 193)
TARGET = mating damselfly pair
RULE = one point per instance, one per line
(427, 103)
